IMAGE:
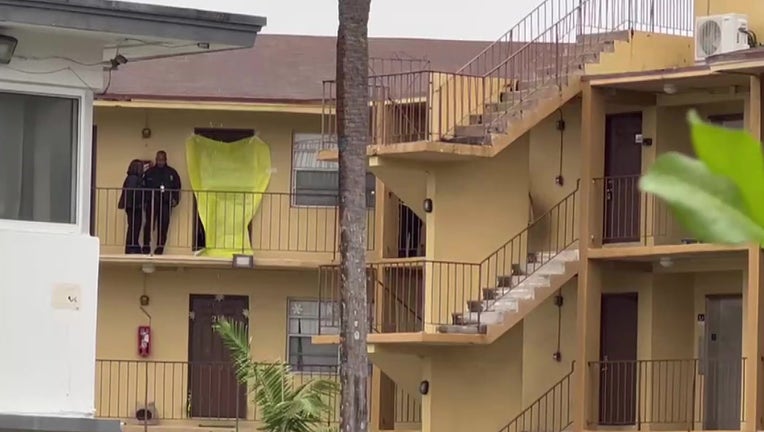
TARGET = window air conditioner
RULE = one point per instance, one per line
(719, 34)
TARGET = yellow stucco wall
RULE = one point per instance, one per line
(645, 51)
(119, 383)
(280, 230)
(753, 8)
(474, 388)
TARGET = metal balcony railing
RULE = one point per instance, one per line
(686, 394)
(221, 220)
(543, 51)
(180, 390)
(397, 288)
(630, 216)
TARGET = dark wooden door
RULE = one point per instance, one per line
(623, 165)
(618, 355)
(222, 135)
(213, 389)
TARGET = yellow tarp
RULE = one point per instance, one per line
(228, 179)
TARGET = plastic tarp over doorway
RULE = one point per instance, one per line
(228, 179)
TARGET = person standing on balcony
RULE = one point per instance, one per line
(131, 201)
(163, 183)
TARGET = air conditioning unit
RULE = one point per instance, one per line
(719, 34)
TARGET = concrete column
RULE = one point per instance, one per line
(753, 341)
(590, 228)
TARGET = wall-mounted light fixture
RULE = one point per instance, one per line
(7, 48)
(424, 387)
(117, 61)
(427, 204)
(243, 261)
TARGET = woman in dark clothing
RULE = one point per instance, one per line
(131, 201)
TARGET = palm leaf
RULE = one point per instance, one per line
(284, 406)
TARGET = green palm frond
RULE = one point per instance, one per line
(284, 406)
(234, 335)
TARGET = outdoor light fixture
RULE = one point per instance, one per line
(7, 48)
(424, 387)
(117, 61)
(243, 261)
(427, 204)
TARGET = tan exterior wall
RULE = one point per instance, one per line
(474, 388)
(119, 385)
(280, 230)
(541, 333)
(753, 8)
(645, 51)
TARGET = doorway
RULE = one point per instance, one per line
(623, 165)
(722, 364)
(214, 392)
(618, 355)
(222, 135)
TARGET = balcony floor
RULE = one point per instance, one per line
(638, 252)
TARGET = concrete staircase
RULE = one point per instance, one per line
(538, 81)
(517, 294)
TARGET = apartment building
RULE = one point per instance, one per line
(553, 294)
(52, 60)
(262, 270)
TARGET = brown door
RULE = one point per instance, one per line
(618, 355)
(213, 389)
(623, 165)
(222, 135)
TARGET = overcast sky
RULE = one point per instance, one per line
(441, 19)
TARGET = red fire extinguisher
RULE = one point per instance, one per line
(144, 341)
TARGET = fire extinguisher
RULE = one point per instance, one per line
(144, 341)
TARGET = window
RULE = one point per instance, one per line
(38, 154)
(303, 324)
(316, 182)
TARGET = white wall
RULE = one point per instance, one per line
(47, 359)
(47, 344)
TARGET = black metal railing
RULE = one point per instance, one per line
(542, 52)
(149, 391)
(219, 220)
(629, 215)
(540, 242)
(551, 412)
(690, 394)
(396, 293)
(397, 288)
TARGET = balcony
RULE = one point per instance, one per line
(419, 295)
(685, 394)
(217, 224)
(176, 392)
(630, 217)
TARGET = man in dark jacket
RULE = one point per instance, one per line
(163, 183)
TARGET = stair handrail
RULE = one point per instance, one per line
(536, 404)
(568, 239)
(526, 22)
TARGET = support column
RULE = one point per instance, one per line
(589, 276)
(432, 303)
(753, 342)
(753, 111)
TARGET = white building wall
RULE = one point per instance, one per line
(49, 272)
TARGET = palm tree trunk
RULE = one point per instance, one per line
(353, 137)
